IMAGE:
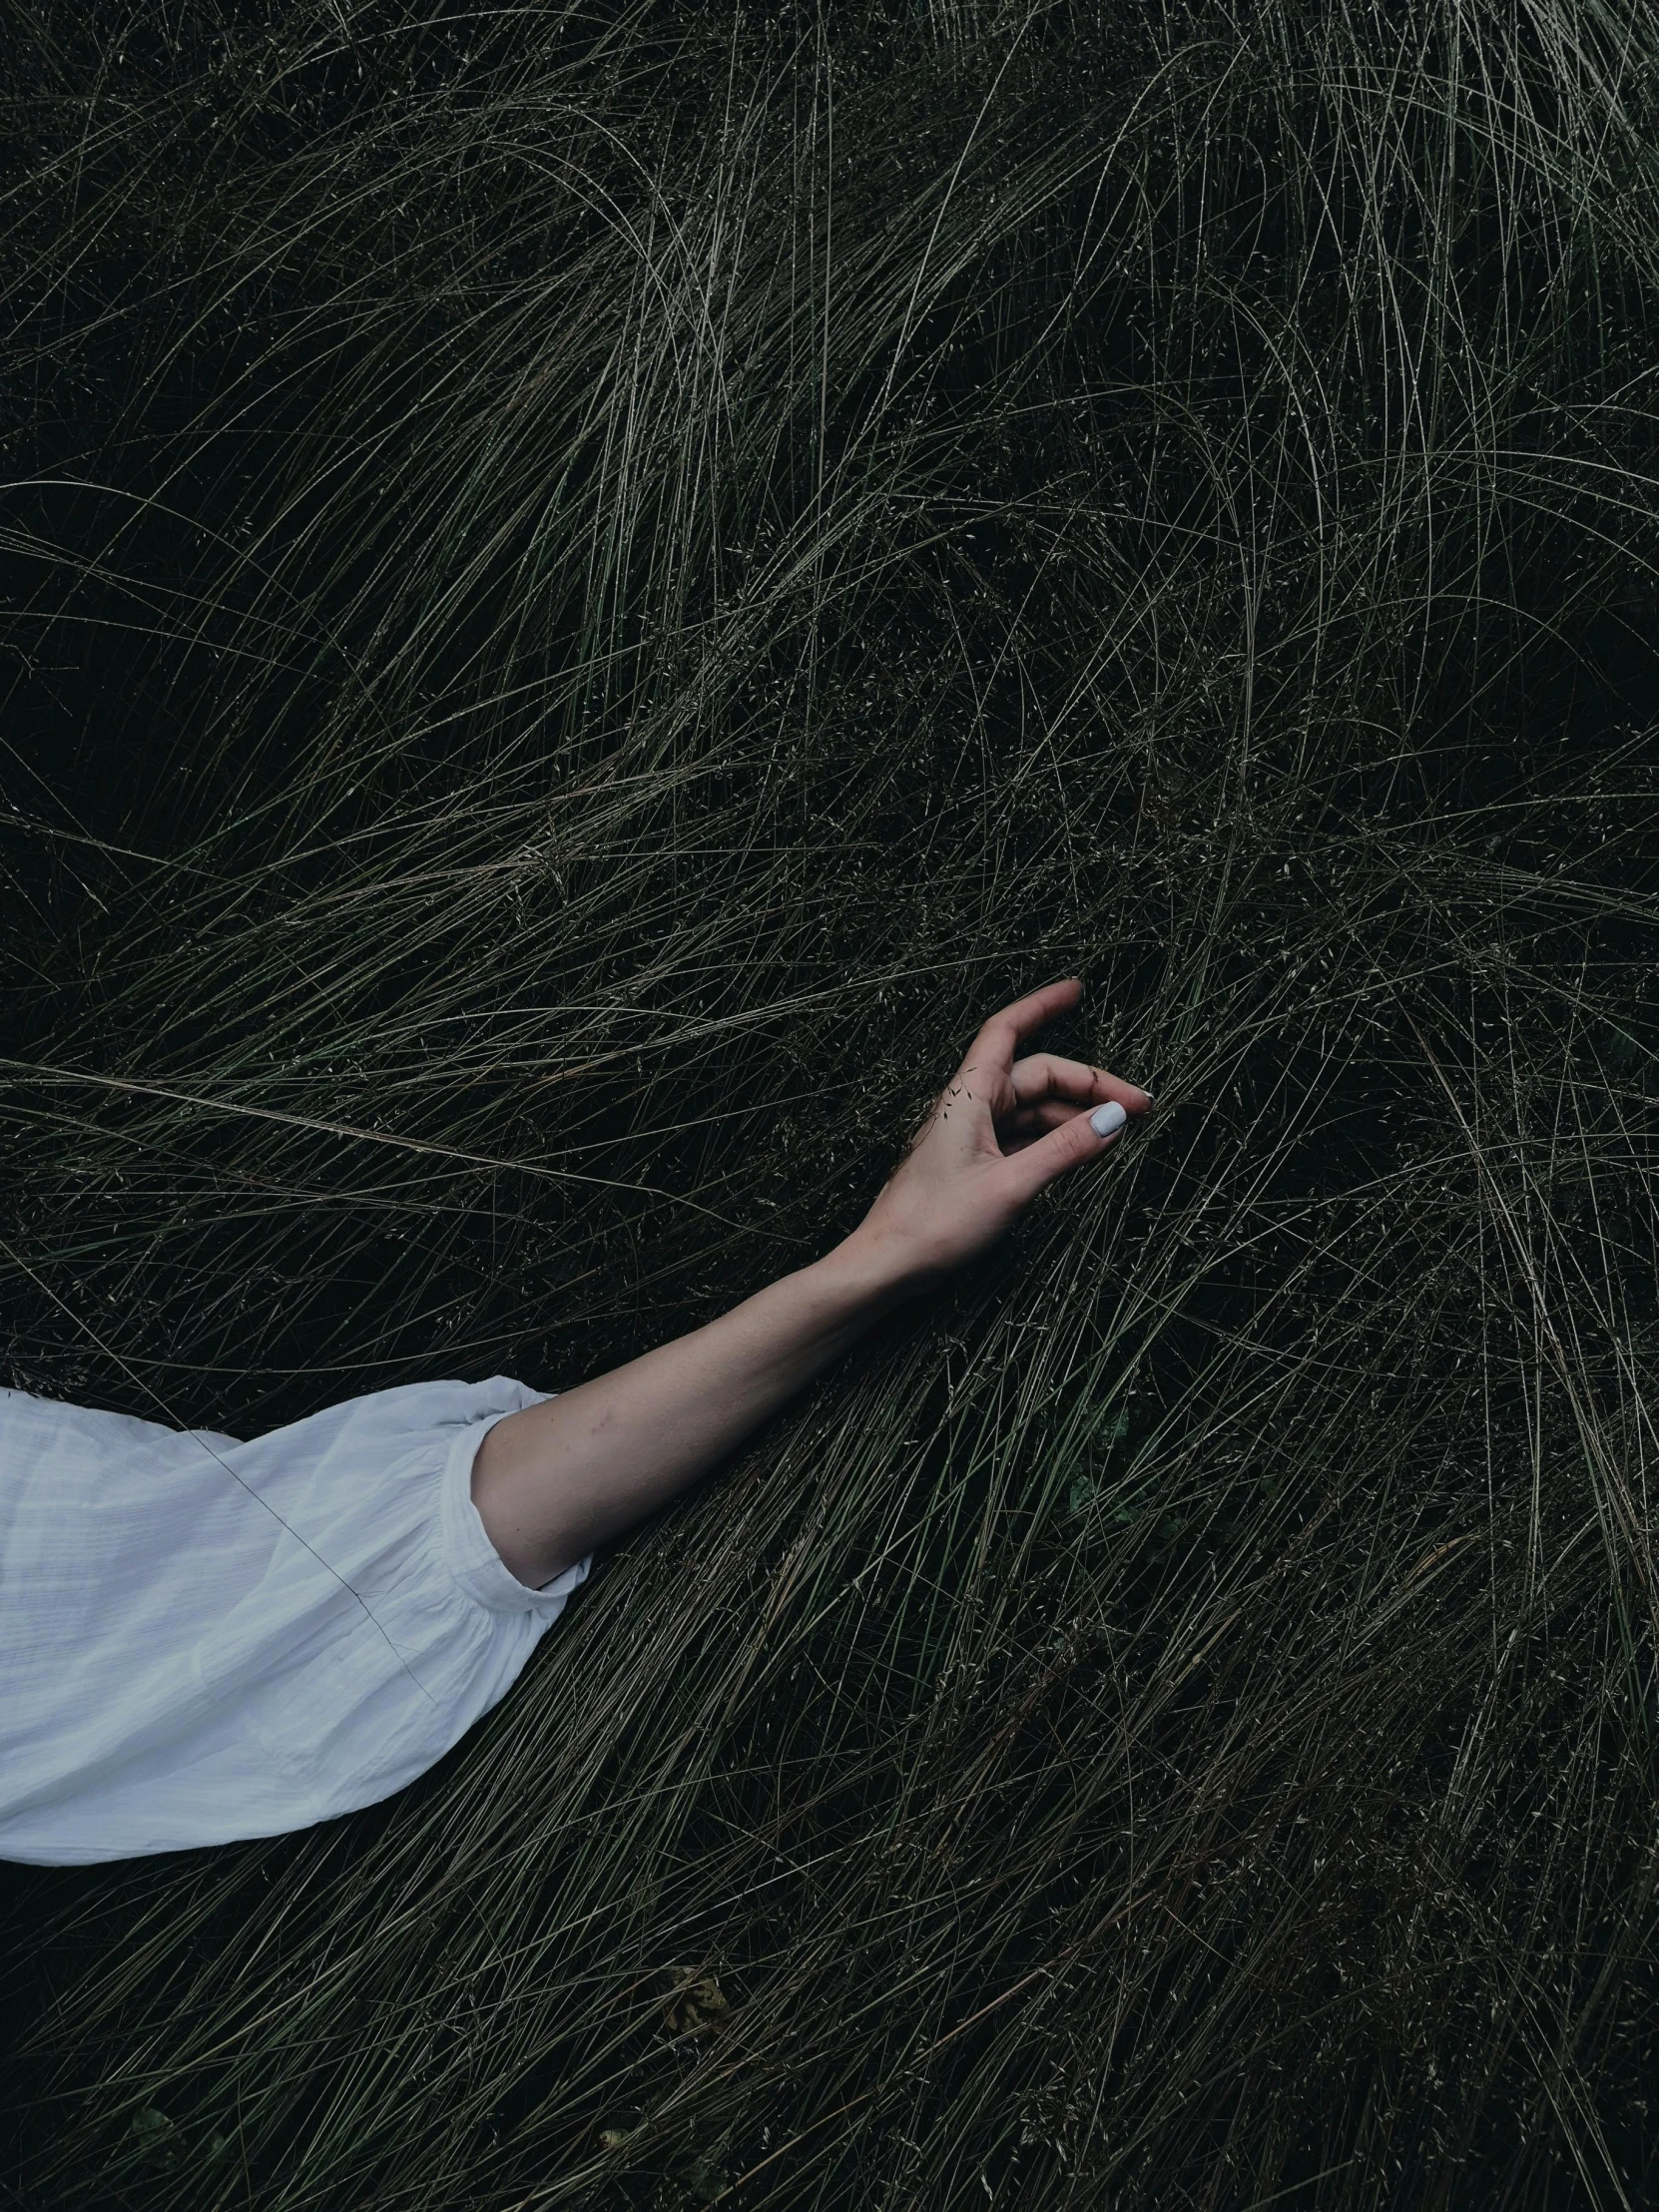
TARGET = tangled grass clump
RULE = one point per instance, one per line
(587, 587)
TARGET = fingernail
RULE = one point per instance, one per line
(1106, 1118)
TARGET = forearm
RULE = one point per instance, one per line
(558, 1479)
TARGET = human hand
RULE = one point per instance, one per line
(1000, 1131)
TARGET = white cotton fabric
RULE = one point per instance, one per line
(203, 1639)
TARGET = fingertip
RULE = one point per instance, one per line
(1071, 986)
(1107, 1120)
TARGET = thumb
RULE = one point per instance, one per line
(1082, 1138)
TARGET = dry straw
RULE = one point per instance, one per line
(587, 588)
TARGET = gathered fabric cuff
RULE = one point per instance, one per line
(468, 1553)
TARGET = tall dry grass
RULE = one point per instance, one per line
(587, 587)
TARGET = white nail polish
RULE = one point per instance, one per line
(1106, 1118)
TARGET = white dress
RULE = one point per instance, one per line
(202, 1639)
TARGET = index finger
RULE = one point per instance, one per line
(1001, 1037)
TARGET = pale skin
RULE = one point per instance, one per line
(555, 1481)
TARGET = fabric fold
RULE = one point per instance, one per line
(470, 1556)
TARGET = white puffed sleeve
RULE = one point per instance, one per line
(203, 1639)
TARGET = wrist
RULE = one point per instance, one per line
(869, 1273)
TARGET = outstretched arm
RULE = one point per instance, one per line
(555, 1480)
